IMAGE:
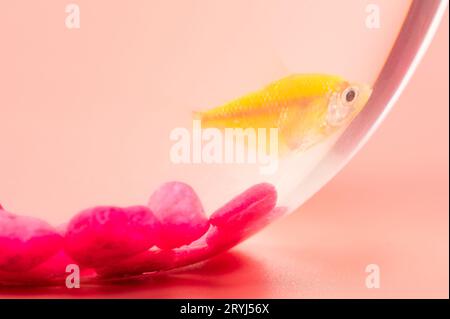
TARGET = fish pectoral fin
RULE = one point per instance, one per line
(290, 128)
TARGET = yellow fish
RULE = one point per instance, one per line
(305, 108)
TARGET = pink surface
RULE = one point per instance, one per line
(389, 207)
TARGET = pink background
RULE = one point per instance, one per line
(389, 206)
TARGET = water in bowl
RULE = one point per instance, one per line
(87, 113)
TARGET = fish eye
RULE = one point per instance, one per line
(349, 95)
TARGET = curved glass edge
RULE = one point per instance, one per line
(413, 40)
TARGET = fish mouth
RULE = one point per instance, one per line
(365, 92)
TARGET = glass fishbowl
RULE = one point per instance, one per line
(102, 102)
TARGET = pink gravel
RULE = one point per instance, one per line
(180, 213)
(105, 234)
(246, 208)
(237, 220)
(25, 242)
(118, 241)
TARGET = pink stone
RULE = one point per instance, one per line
(157, 259)
(180, 214)
(242, 217)
(223, 238)
(246, 208)
(50, 272)
(25, 242)
(116, 241)
(214, 242)
(103, 235)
